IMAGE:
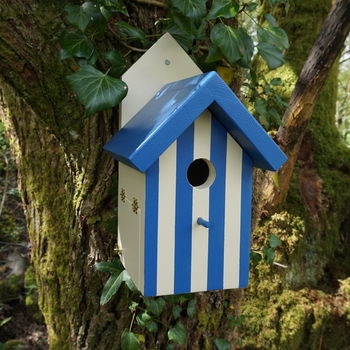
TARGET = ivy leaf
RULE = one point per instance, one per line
(118, 63)
(132, 33)
(191, 308)
(116, 6)
(129, 341)
(151, 326)
(274, 240)
(190, 8)
(156, 306)
(176, 311)
(222, 344)
(80, 15)
(223, 8)
(269, 255)
(276, 81)
(275, 36)
(214, 54)
(272, 56)
(95, 90)
(112, 267)
(178, 334)
(76, 45)
(256, 257)
(112, 286)
(235, 44)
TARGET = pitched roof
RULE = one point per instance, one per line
(175, 107)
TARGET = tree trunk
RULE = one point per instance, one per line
(295, 307)
(68, 187)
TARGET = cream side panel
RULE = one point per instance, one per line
(163, 63)
(131, 224)
(166, 221)
(200, 234)
(232, 213)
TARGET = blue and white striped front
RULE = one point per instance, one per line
(182, 256)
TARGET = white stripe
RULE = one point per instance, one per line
(166, 221)
(232, 213)
(199, 268)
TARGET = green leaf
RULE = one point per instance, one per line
(129, 341)
(132, 33)
(151, 326)
(118, 63)
(130, 283)
(223, 8)
(112, 267)
(6, 320)
(272, 56)
(116, 6)
(80, 15)
(214, 54)
(276, 182)
(190, 8)
(274, 240)
(269, 255)
(75, 45)
(235, 44)
(95, 90)
(260, 106)
(176, 311)
(191, 308)
(222, 344)
(276, 81)
(256, 257)
(133, 306)
(170, 347)
(272, 20)
(111, 287)
(178, 334)
(156, 306)
(252, 6)
(275, 36)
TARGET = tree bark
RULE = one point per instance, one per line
(68, 187)
(310, 82)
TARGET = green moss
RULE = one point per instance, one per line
(15, 344)
(10, 288)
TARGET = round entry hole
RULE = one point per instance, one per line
(201, 173)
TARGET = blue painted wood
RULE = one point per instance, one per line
(183, 212)
(151, 231)
(217, 207)
(202, 222)
(175, 107)
(246, 199)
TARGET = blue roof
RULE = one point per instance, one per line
(175, 107)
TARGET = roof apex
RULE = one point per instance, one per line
(175, 107)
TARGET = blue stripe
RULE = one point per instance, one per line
(183, 218)
(246, 200)
(217, 207)
(151, 230)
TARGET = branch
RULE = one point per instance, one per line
(327, 47)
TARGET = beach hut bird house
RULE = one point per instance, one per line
(186, 150)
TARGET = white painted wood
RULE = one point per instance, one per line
(147, 76)
(232, 213)
(151, 72)
(130, 224)
(200, 234)
(166, 221)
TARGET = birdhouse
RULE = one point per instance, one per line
(186, 150)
